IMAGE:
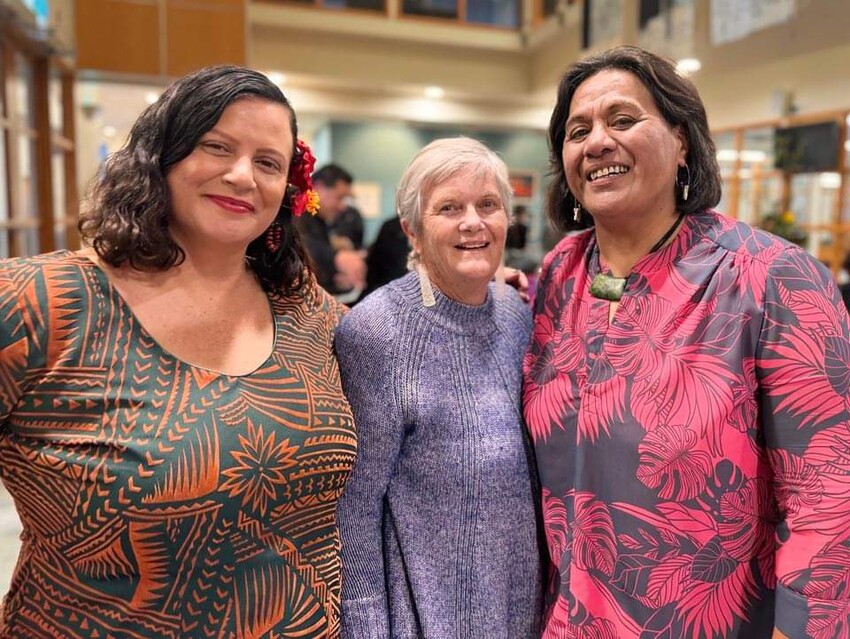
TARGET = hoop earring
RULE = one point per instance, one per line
(686, 185)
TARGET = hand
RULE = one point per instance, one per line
(778, 635)
(351, 269)
(516, 278)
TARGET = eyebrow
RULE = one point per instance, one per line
(265, 150)
(612, 106)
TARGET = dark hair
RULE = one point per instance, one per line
(126, 218)
(679, 103)
(330, 174)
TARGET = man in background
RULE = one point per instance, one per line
(339, 265)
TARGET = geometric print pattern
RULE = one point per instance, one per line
(159, 499)
(694, 452)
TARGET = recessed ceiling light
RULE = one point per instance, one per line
(151, 97)
(434, 93)
(686, 66)
(109, 131)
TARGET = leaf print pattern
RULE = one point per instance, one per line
(695, 452)
(158, 499)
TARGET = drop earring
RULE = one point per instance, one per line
(686, 185)
(576, 211)
(428, 299)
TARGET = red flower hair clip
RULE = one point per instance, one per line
(301, 177)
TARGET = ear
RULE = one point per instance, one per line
(682, 136)
(411, 237)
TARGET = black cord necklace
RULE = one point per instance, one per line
(608, 287)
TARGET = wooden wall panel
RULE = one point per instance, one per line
(198, 36)
(117, 35)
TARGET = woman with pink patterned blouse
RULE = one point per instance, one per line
(687, 387)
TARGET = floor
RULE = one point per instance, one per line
(10, 530)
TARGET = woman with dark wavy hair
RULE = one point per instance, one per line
(173, 429)
(686, 387)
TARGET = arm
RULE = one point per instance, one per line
(14, 344)
(803, 367)
(364, 342)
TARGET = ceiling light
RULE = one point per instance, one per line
(687, 66)
(151, 97)
(276, 77)
(434, 93)
(109, 131)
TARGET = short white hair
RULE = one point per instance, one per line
(439, 161)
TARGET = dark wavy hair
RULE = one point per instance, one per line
(127, 214)
(678, 101)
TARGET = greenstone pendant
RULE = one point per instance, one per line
(608, 287)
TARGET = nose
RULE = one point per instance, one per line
(598, 141)
(471, 220)
(240, 174)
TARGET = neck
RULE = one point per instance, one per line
(623, 244)
(471, 296)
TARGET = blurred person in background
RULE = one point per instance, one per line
(687, 386)
(340, 266)
(438, 524)
(175, 464)
(387, 257)
(517, 237)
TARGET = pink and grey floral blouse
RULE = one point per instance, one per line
(695, 453)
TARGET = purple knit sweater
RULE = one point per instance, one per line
(438, 525)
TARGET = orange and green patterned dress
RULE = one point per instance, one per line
(160, 499)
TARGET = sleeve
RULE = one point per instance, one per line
(14, 344)
(365, 344)
(803, 369)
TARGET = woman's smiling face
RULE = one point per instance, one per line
(620, 155)
(462, 235)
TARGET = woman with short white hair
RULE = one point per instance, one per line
(438, 523)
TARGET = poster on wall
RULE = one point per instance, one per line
(735, 19)
(367, 199)
(670, 31)
(606, 21)
(524, 185)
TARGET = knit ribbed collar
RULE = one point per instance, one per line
(448, 313)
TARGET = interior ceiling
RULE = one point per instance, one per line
(345, 65)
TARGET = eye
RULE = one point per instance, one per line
(448, 207)
(269, 165)
(577, 133)
(490, 204)
(217, 148)
(623, 121)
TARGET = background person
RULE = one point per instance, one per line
(686, 387)
(176, 465)
(438, 524)
(339, 266)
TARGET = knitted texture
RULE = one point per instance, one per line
(438, 526)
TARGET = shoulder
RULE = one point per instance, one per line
(566, 252)
(313, 305)
(30, 275)
(746, 242)
(782, 267)
(511, 312)
(375, 319)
